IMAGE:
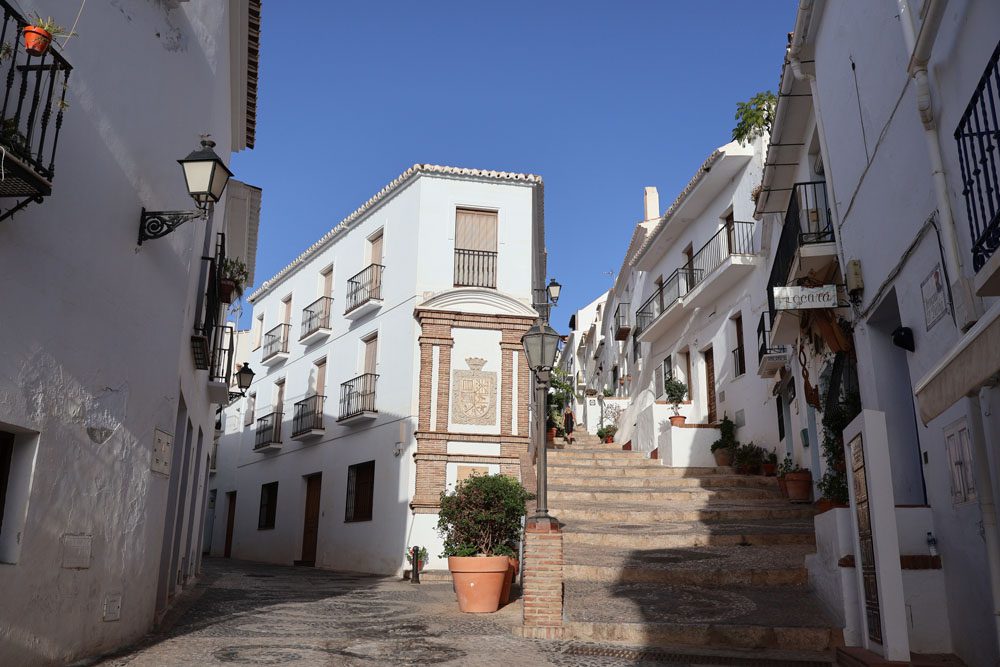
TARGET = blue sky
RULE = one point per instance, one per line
(600, 98)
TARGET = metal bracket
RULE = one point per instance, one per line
(21, 204)
(155, 224)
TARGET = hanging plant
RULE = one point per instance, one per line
(38, 34)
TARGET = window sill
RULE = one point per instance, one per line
(357, 520)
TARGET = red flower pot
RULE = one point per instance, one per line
(226, 290)
(36, 40)
(677, 420)
(551, 435)
(478, 581)
(769, 469)
(609, 439)
(723, 457)
(799, 485)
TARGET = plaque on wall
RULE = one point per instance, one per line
(474, 394)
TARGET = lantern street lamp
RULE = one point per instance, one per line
(541, 345)
(244, 378)
(206, 176)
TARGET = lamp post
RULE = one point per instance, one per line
(206, 176)
(540, 344)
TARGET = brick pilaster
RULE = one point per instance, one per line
(444, 388)
(426, 364)
(543, 580)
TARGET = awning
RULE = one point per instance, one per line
(970, 365)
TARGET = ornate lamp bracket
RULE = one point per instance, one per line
(155, 224)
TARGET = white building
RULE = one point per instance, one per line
(892, 108)
(389, 365)
(576, 359)
(105, 417)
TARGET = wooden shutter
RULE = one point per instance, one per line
(476, 230)
(376, 247)
(360, 491)
(321, 377)
(371, 354)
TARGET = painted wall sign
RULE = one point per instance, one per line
(935, 301)
(800, 298)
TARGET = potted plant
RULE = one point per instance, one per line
(607, 433)
(748, 458)
(675, 391)
(232, 279)
(798, 481)
(770, 463)
(421, 558)
(38, 34)
(785, 467)
(481, 526)
(722, 449)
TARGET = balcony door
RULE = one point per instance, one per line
(710, 385)
(321, 377)
(375, 245)
(371, 354)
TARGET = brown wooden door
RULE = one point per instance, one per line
(371, 354)
(230, 521)
(310, 528)
(710, 385)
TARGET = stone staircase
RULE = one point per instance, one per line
(684, 558)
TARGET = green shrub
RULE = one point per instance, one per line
(675, 391)
(483, 516)
(727, 436)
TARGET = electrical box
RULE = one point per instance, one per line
(163, 447)
(112, 607)
(855, 283)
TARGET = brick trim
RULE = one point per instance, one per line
(543, 575)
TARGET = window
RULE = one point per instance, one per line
(326, 282)
(781, 419)
(370, 353)
(320, 387)
(251, 405)
(959, 445)
(475, 248)
(375, 247)
(636, 349)
(666, 372)
(279, 396)
(360, 491)
(268, 506)
(739, 358)
(258, 331)
(286, 309)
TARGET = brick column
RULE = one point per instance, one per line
(444, 387)
(543, 581)
(426, 365)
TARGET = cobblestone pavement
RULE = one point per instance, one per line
(251, 614)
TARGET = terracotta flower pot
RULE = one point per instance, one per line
(608, 439)
(36, 40)
(782, 486)
(508, 579)
(769, 469)
(825, 505)
(226, 290)
(478, 581)
(551, 435)
(677, 420)
(799, 485)
(723, 457)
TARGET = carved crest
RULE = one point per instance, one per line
(474, 394)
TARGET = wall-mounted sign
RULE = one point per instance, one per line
(935, 301)
(800, 298)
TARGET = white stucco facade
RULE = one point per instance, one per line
(429, 328)
(102, 520)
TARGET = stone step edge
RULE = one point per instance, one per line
(793, 578)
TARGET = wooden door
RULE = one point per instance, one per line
(376, 244)
(371, 354)
(230, 521)
(321, 378)
(710, 385)
(310, 528)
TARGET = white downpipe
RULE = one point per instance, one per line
(987, 504)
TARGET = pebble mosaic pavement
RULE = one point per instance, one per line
(252, 614)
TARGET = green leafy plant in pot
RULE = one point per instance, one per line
(481, 526)
(233, 277)
(770, 464)
(675, 391)
(748, 458)
(607, 433)
(422, 557)
(725, 446)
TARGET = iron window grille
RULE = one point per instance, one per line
(475, 268)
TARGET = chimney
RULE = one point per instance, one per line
(651, 203)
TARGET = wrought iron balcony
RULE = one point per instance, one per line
(978, 137)
(275, 344)
(316, 320)
(677, 285)
(736, 239)
(807, 221)
(623, 326)
(307, 420)
(357, 398)
(221, 350)
(365, 289)
(34, 86)
(210, 333)
(475, 268)
(268, 435)
(770, 358)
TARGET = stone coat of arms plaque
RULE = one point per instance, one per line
(474, 394)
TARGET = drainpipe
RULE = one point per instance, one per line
(987, 504)
(920, 47)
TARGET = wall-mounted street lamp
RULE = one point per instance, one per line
(206, 176)
(244, 378)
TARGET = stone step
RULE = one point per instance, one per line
(562, 476)
(708, 567)
(577, 454)
(688, 534)
(788, 618)
(565, 495)
(652, 468)
(681, 512)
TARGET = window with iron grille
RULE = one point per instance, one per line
(475, 248)
(360, 491)
(268, 506)
(666, 372)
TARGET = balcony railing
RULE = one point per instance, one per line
(677, 285)
(209, 333)
(735, 239)
(475, 268)
(316, 316)
(978, 137)
(623, 325)
(33, 87)
(739, 362)
(364, 287)
(268, 431)
(308, 415)
(276, 341)
(807, 220)
(222, 349)
(357, 396)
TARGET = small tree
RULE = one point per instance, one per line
(675, 391)
(483, 516)
(754, 117)
(727, 436)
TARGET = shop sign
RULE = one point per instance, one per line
(801, 298)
